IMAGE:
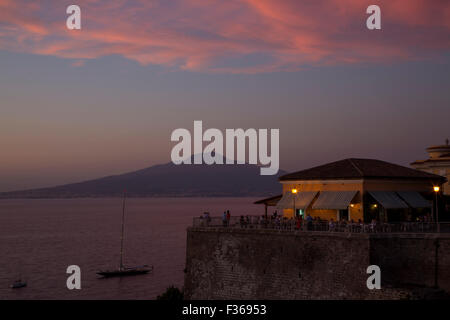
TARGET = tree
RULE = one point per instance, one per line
(172, 294)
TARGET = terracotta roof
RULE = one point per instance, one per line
(358, 169)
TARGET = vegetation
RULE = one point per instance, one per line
(172, 294)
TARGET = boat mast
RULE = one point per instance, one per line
(121, 238)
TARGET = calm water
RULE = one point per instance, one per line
(40, 238)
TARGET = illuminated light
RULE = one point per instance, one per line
(294, 190)
(375, 205)
(436, 189)
(352, 205)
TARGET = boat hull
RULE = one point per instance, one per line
(18, 285)
(123, 273)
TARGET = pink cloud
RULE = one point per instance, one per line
(230, 36)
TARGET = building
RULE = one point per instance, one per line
(358, 189)
(259, 262)
(437, 163)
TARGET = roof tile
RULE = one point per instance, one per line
(357, 169)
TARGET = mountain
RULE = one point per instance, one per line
(168, 180)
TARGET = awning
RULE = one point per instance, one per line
(414, 199)
(334, 199)
(285, 201)
(302, 200)
(388, 199)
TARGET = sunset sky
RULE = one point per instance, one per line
(81, 104)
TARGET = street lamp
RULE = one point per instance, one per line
(436, 191)
(294, 192)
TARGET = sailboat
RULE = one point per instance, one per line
(125, 271)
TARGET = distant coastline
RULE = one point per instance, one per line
(5, 196)
(166, 181)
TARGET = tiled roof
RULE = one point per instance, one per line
(359, 168)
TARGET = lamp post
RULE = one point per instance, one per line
(294, 192)
(436, 191)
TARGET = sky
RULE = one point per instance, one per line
(82, 104)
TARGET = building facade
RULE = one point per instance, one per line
(438, 163)
(359, 189)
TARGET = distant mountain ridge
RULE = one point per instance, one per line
(168, 180)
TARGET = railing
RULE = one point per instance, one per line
(259, 222)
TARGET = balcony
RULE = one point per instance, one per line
(291, 225)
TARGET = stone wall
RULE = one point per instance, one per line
(421, 260)
(268, 264)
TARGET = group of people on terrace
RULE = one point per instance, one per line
(309, 223)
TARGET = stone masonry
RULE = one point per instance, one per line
(238, 263)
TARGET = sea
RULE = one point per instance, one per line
(40, 238)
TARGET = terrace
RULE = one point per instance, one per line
(291, 225)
